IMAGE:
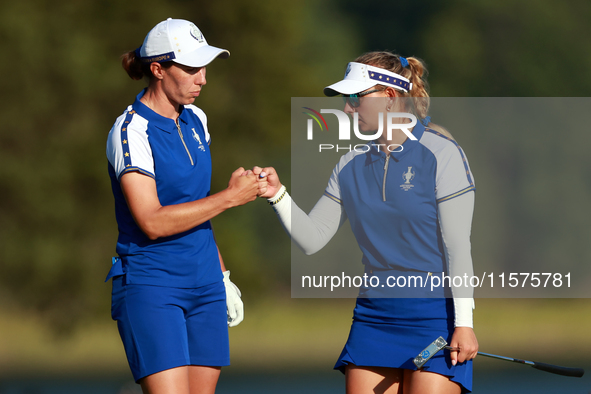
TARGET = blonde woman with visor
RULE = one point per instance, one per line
(409, 200)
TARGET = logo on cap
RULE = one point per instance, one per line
(196, 34)
(348, 70)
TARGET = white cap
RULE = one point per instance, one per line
(180, 41)
(360, 77)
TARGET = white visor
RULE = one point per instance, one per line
(360, 77)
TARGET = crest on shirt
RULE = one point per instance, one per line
(198, 139)
(407, 176)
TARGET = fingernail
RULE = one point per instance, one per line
(453, 362)
(263, 174)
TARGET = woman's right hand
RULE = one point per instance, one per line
(270, 176)
(243, 186)
(465, 339)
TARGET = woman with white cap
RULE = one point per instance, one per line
(172, 296)
(409, 198)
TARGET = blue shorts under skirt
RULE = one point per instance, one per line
(391, 332)
(163, 328)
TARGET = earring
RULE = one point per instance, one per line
(389, 105)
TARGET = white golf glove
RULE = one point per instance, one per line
(233, 301)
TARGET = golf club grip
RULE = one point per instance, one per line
(575, 372)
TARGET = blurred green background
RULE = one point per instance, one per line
(63, 87)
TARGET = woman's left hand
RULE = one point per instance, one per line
(465, 339)
(233, 302)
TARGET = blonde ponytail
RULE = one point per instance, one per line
(416, 72)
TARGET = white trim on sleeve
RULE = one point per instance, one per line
(128, 148)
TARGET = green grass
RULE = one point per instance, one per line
(294, 333)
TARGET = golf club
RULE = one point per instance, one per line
(441, 343)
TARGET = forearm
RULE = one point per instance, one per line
(222, 265)
(157, 220)
(455, 217)
(310, 232)
(174, 219)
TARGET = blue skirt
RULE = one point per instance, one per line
(391, 332)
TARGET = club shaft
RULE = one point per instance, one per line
(515, 360)
(440, 343)
(556, 369)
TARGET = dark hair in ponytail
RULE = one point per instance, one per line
(136, 69)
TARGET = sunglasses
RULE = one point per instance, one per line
(353, 99)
